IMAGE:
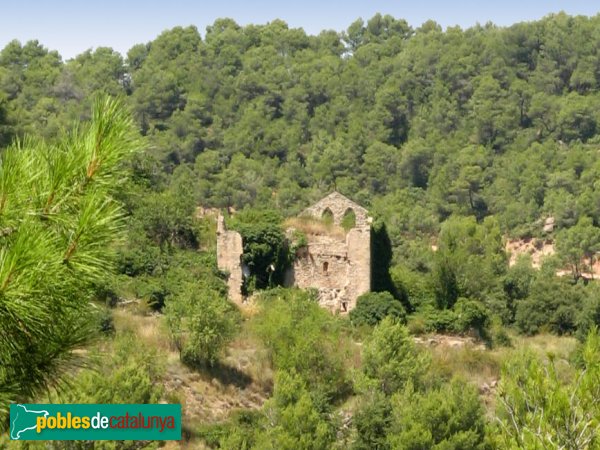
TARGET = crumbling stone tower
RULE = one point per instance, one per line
(229, 258)
(337, 264)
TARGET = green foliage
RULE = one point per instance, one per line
(415, 286)
(552, 303)
(236, 434)
(59, 219)
(516, 285)
(349, 220)
(469, 260)
(292, 419)
(453, 138)
(450, 417)
(113, 374)
(201, 324)
(166, 217)
(125, 376)
(265, 250)
(471, 315)
(538, 409)
(578, 245)
(390, 358)
(299, 240)
(440, 321)
(588, 316)
(304, 338)
(473, 122)
(372, 307)
(372, 421)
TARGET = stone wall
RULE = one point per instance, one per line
(323, 264)
(338, 267)
(338, 205)
(229, 258)
(358, 241)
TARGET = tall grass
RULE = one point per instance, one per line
(312, 226)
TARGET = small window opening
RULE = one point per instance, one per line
(325, 267)
(327, 217)
(349, 219)
(345, 306)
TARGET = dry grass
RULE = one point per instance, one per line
(479, 365)
(470, 363)
(547, 344)
(243, 379)
(312, 226)
(148, 328)
(482, 368)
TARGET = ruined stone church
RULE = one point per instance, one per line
(335, 261)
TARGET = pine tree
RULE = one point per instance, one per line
(58, 221)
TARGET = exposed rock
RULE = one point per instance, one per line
(549, 225)
(449, 341)
(538, 249)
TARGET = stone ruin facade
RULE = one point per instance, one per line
(338, 267)
(229, 258)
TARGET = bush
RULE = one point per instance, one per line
(538, 408)
(390, 358)
(237, 433)
(499, 336)
(304, 338)
(127, 371)
(371, 421)
(470, 315)
(450, 417)
(589, 316)
(293, 419)
(265, 249)
(552, 304)
(201, 324)
(372, 307)
(440, 321)
(415, 286)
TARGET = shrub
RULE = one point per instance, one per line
(440, 320)
(372, 307)
(390, 358)
(304, 338)
(499, 336)
(450, 417)
(201, 324)
(552, 303)
(539, 409)
(470, 315)
(237, 433)
(265, 249)
(589, 316)
(415, 286)
(371, 421)
(293, 419)
(127, 371)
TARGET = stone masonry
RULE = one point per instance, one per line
(339, 267)
(229, 258)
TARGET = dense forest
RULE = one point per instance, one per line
(455, 140)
